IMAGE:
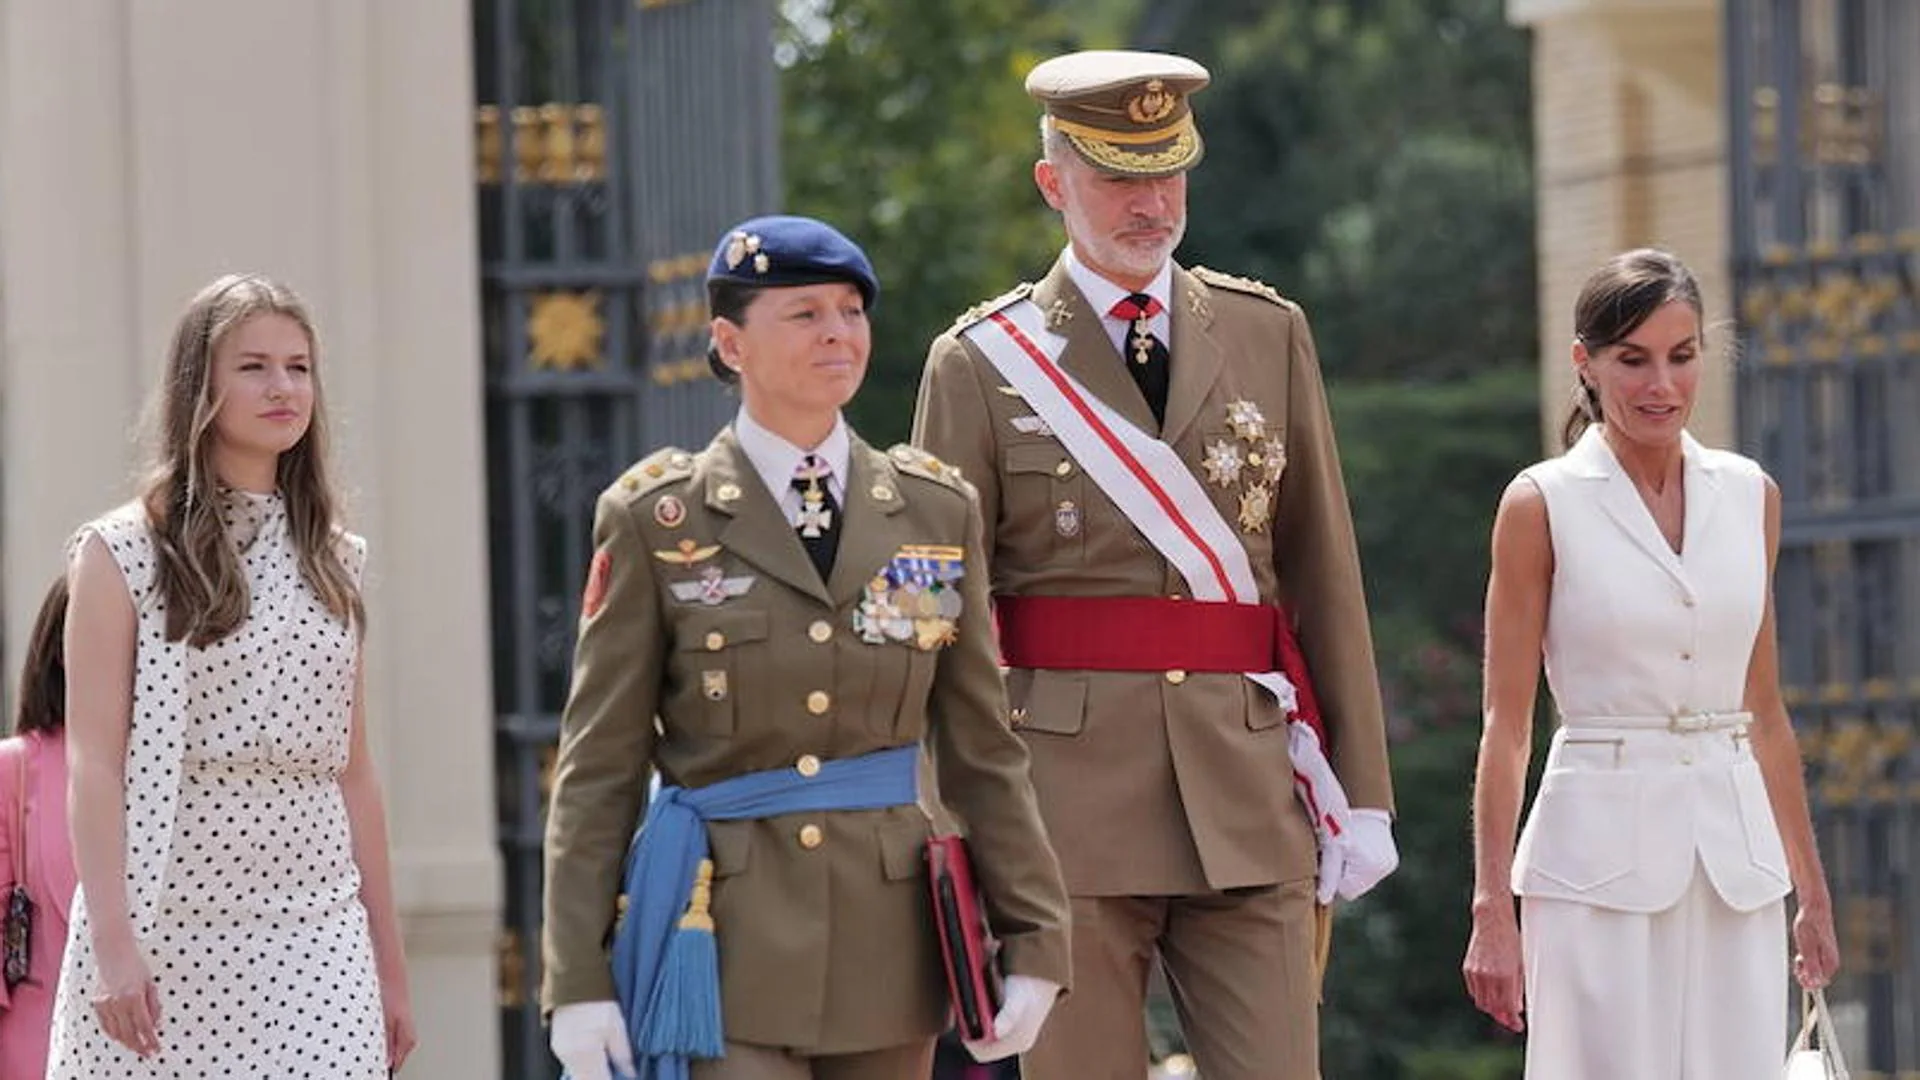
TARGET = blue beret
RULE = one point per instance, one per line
(783, 250)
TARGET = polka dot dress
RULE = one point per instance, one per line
(256, 938)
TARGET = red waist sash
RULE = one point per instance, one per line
(1151, 633)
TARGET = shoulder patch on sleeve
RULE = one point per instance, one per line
(1236, 283)
(661, 467)
(917, 462)
(987, 307)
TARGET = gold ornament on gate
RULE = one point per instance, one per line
(564, 330)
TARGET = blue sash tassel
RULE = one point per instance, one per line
(666, 968)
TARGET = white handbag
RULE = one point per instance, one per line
(1807, 1061)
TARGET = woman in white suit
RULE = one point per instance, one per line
(1672, 819)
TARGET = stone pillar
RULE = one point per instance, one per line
(1630, 151)
(145, 149)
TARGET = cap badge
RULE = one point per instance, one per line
(739, 246)
(1152, 104)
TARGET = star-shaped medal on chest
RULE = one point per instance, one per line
(1223, 463)
(1246, 419)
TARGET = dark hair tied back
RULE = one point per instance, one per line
(729, 300)
(1615, 301)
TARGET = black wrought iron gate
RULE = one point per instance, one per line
(616, 139)
(1824, 98)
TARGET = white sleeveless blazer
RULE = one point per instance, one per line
(1637, 632)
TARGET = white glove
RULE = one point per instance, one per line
(586, 1035)
(1370, 854)
(1024, 1007)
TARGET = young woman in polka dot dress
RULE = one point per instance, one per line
(236, 913)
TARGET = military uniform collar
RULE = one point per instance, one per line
(776, 459)
(1102, 294)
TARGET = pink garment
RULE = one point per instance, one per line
(26, 1015)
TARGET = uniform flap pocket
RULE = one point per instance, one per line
(713, 631)
(731, 843)
(1056, 703)
(1035, 457)
(903, 846)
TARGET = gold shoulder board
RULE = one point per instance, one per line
(917, 462)
(1240, 284)
(987, 307)
(660, 467)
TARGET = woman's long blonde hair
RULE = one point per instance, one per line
(198, 569)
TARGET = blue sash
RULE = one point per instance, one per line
(672, 842)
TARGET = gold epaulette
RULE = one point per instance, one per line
(917, 462)
(1240, 284)
(987, 307)
(663, 466)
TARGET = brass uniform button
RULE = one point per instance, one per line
(811, 837)
(716, 641)
(728, 492)
(1065, 468)
(819, 702)
(820, 632)
(1176, 676)
(881, 493)
(808, 766)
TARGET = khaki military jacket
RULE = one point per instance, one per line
(1173, 782)
(709, 647)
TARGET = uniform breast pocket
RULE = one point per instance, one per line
(1046, 496)
(714, 651)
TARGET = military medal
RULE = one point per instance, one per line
(1274, 459)
(913, 598)
(1059, 314)
(815, 518)
(713, 685)
(1223, 462)
(1247, 422)
(1256, 506)
(669, 512)
(1142, 340)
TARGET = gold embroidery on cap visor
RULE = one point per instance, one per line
(1104, 152)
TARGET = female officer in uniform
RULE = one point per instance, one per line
(781, 624)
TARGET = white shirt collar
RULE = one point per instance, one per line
(775, 459)
(1103, 294)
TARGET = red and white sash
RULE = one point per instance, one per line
(1162, 498)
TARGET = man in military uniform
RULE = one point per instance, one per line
(791, 627)
(1171, 552)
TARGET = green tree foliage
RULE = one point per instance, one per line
(907, 126)
(1426, 464)
(1376, 154)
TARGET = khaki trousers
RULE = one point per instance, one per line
(1240, 965)
(914, 1061)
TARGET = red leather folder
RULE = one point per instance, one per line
(967, 948)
